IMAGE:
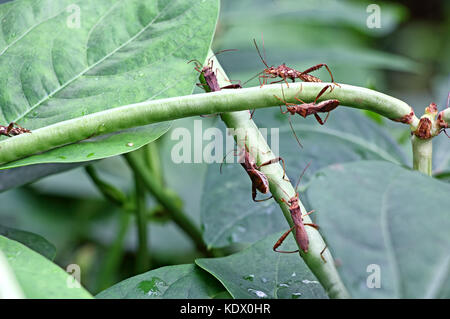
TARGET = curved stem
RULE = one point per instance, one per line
(167, 201)
(281, 189)
(109, 191)
(155, 111)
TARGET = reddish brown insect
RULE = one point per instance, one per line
(208, 76)
(10, 130)
(300, 232)
(285, 72)
(306, 109)
(258, 178)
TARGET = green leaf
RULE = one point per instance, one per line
(37, 243)
(19, 176)
(98, 147)
(228, 213)
(170, 282)
(378, 213)
(37, 276)
(328, 12)
(121, 52)
(259, 272)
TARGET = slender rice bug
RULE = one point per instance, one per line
(10, 130)
(301, 235)
(306, 109)
(258, 178)
(285, 72)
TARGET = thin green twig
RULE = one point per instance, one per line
(167, 200)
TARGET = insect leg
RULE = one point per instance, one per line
(319, 119)
(280, 241)
(272, 161)
(321, 253)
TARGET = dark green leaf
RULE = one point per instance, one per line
(259, 272)
(121, 52)
(171, 282)
(378, 213)
(37, 243)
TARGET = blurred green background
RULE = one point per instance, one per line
(407, 58)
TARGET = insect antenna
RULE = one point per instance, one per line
(259, 53)
(221, 164)
(301, 175)
(289, 119)
(293, 131)
(194, 60)
(222, 51)
(252, 78)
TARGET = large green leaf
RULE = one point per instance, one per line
(171, 282)
(121, 52)
(37, 276)
(377, 213)
(259, 272)
(98, 147)
(38, 243)
(228, 213)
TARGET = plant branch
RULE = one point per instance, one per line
(113, 257)
(282, 189)
(142, 259)
(422, 154)
(124, 117)
(166, 200)
(110, 192)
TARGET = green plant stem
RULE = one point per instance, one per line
(152, 160)
(422, 154)
(282, 189)
(110, 192)
(142, 260)
(113, 257)
(167, 201)
(155, 111)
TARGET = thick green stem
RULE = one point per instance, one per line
(166, 200)
(422, 154)
(282, 189)
(138, 114)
